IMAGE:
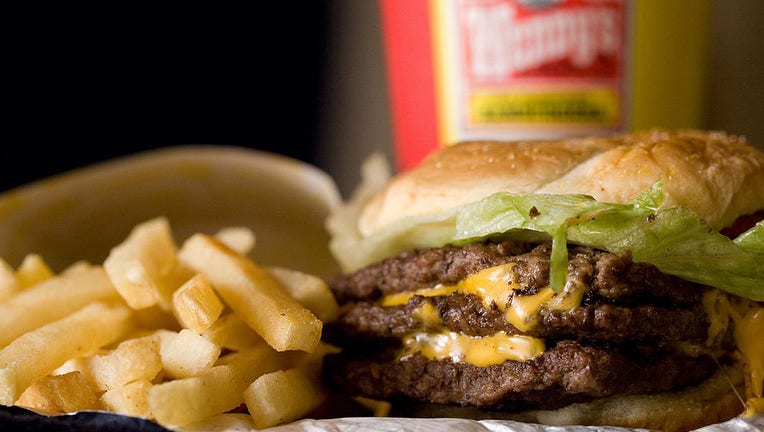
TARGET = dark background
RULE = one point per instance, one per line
(87, 82)
(91, 82)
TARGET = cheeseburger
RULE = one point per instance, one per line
(597, 281)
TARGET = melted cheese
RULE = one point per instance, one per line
(754, 406)
(748, 319)
(403, 298)
(429, 315)
(523, 310)
(570, 298)
(496, 286)
(749, 336)
(479, 351)
(493, 285)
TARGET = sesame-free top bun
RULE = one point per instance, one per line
(718, 175)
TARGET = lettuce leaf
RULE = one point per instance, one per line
(676, 240)
(753, 239)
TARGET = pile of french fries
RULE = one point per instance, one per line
(176, 333)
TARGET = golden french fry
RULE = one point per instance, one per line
(196, 305)
(283, 396)
(132, 360)
(253, 294)
(230, 332)
(186, 354)
(52, 299)
(310, 290)
(217, 390)
(240, 239)
(32, 271)
(286, 395)
(63, 393)
(38, 352)
(130, 399)
(179, 402)
(8, 283)
(69, 337)
(77, 267)
(156, 317)
(142, 266)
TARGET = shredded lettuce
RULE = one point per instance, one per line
(676, 240)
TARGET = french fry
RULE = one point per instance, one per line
(230, 332)
(196, 305)
(130, 399)
(240, 239)
(311, 291)
(156, 317)
(179, 402)
(217, 390)
(186, 354)
(8, 283)
(142, 266)
(282, 396)
(142, 334)
(32, 271)
(74, 268)
(132, 360)
(288, 394)
(258, 360)
(68, 392)
(253, 294)
(38, 352)
(52, 299)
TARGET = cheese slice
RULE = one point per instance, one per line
(748, 319)
(497, 286)
(476, 350)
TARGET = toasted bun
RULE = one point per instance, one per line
(713, 401)
(719, 176)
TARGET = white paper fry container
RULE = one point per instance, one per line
(82, 214)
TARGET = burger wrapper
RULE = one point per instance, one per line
(427, 425)
(105, 422)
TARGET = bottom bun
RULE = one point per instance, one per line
(716, 400)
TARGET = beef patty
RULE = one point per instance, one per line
(629, 334)
(611, 276)
(566, 373)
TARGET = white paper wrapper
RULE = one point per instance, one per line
(239, 423)
(106, 422)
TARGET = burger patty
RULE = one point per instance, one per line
(609, 276)
(566, 373)
(627, 335)
(625, 300)
(465, 313)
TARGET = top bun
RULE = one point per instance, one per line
(719, 176)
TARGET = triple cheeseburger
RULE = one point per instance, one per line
(609, 281)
